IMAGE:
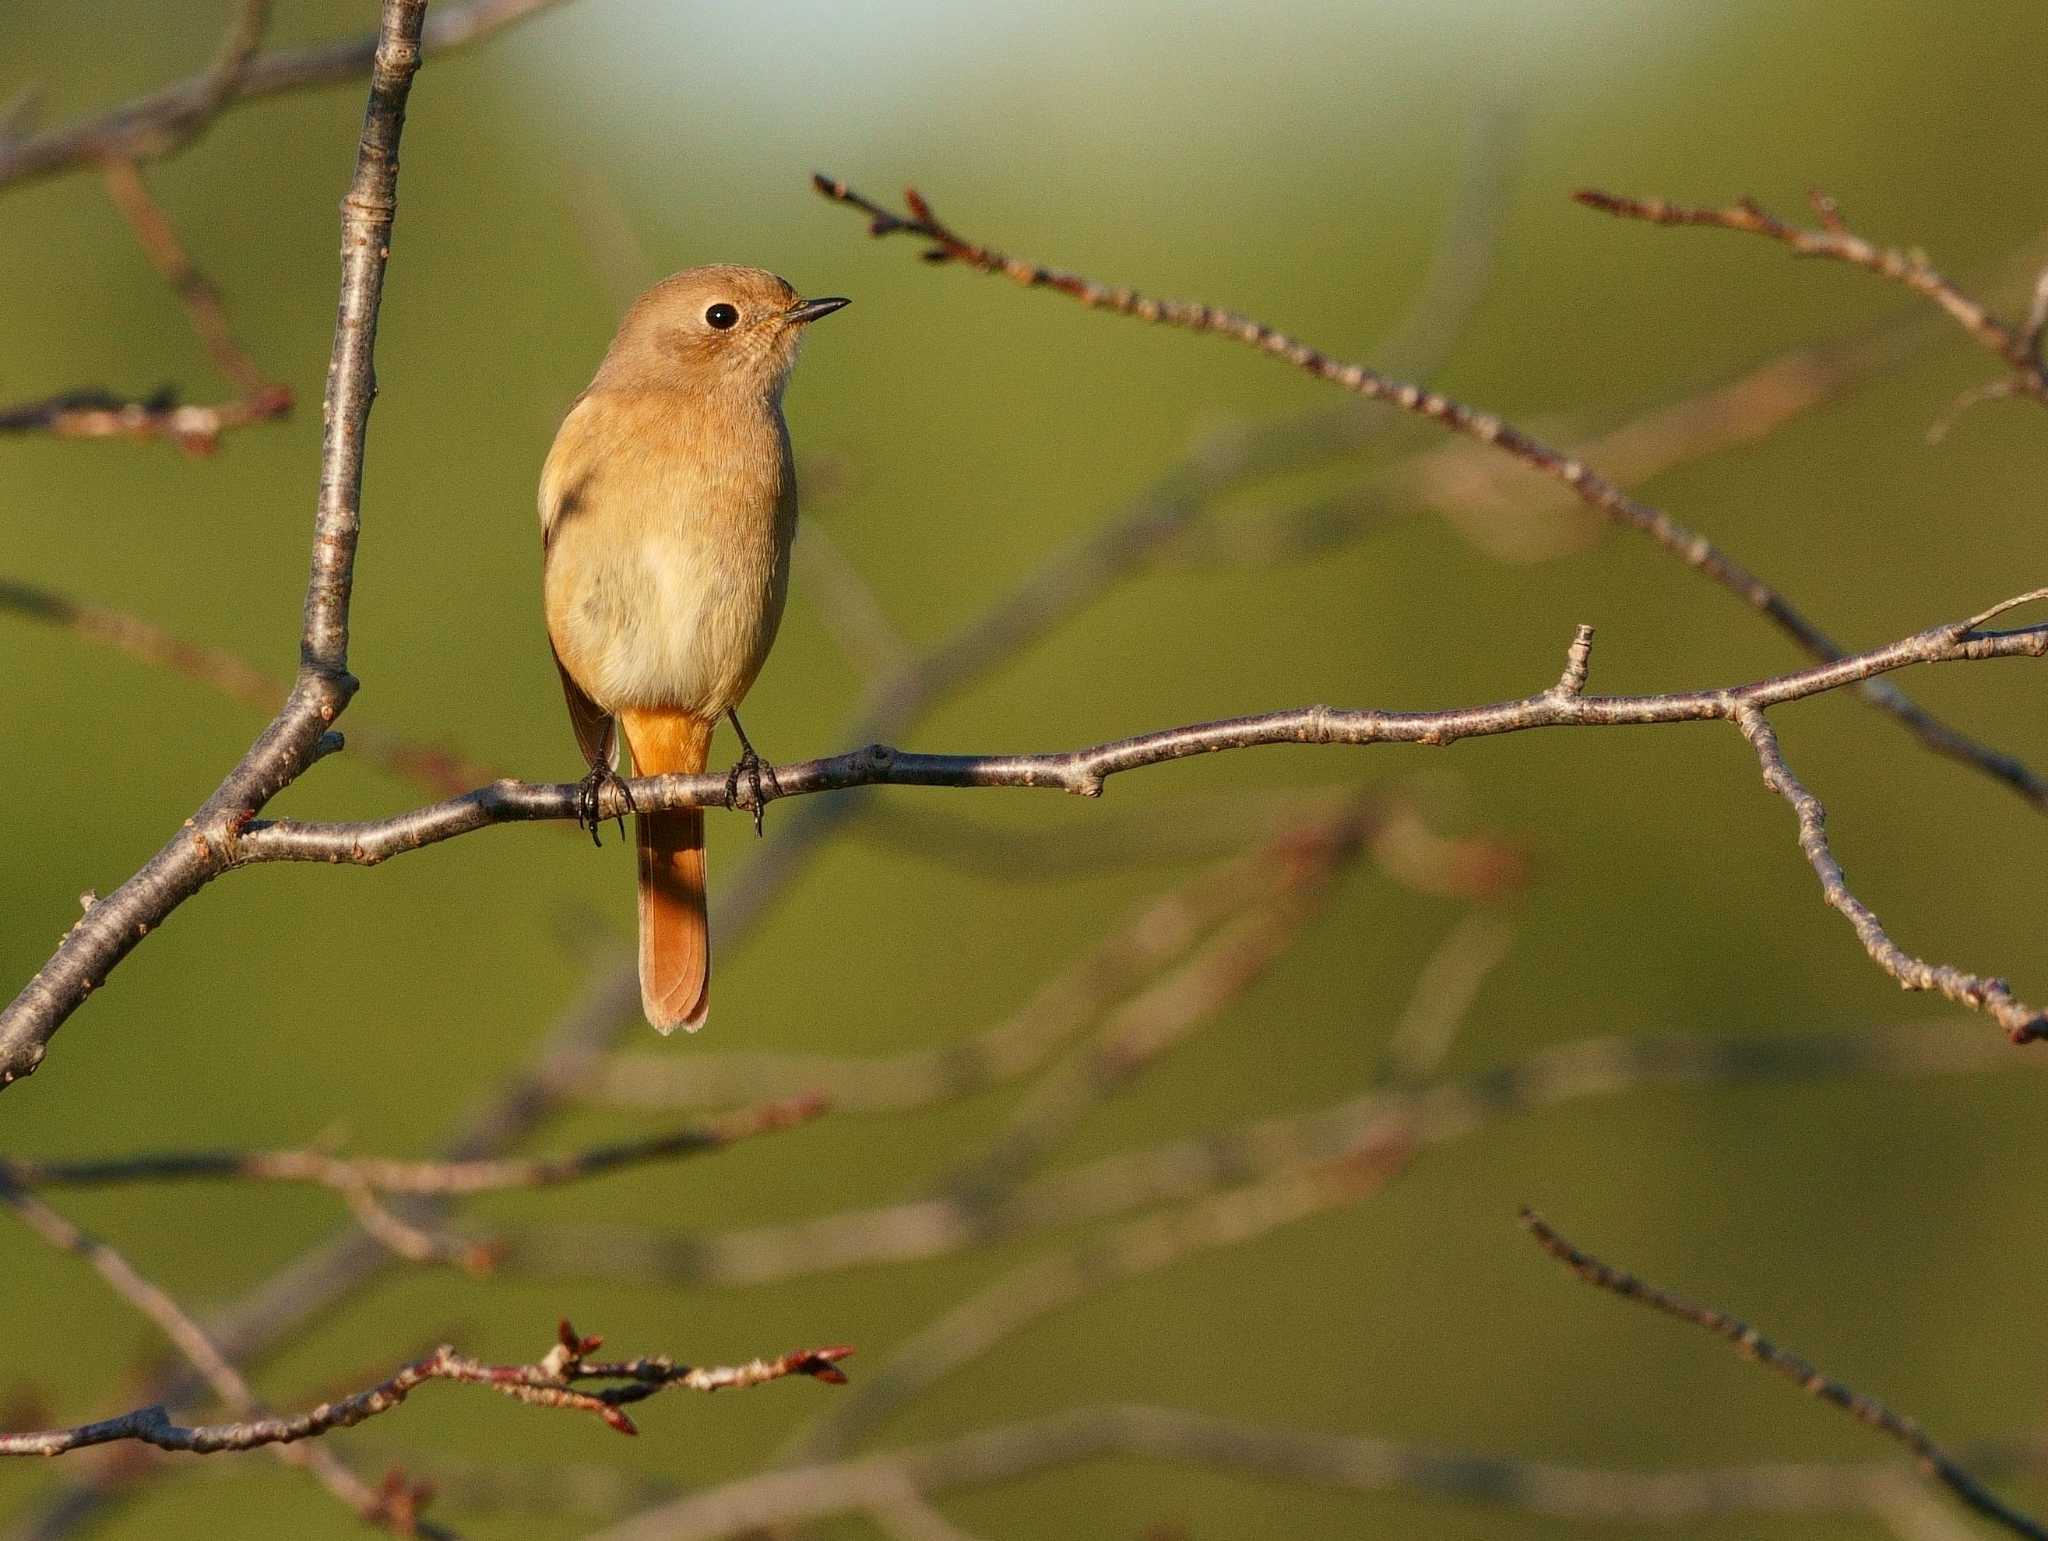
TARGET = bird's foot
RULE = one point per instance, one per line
(590, 794)
(755, 771)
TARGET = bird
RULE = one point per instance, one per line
(668, 505)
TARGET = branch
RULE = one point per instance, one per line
(1162, 933)
(99, 414)
(1345, 1463)
(2021, 1021)
(156, 125)
(2019, 346)
(1084, 771)
(1754, 1346)
(918, 1230)
(384, 1175)
(195, 429)
(296, 737)
(199, 1350)
(428, 765)
(551, 1381)
(1588, 485)
(1045, 1286)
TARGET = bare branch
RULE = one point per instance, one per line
(1596, 491)
(293, 741)
(1084, 771)
(551, 1381)
(157, 125)
(195, 429)
(427, 765)
(1345, 1463)
(192, 1343)
(1752, 1345)
(1179, 1170)
(1041, 1288)
(383, 1175)
(1159, 1019)
(2018, 346)
(1991, 996)
(1158, 935)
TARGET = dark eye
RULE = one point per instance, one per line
(722, 316)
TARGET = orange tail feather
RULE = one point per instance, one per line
(675, 937)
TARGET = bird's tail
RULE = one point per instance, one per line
(675, 939)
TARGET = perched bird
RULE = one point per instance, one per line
(667, 508)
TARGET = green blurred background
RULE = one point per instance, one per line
(1296, 162)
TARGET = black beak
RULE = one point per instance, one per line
(810, 310)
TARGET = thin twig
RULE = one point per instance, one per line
(153, 126)
(2017, 346)
(551, 1381)
(1752, 1345)
(1084, 771)
(1990, 996)
(1595, 490)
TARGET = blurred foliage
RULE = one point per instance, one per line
(1295, 162)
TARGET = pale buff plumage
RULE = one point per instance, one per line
(667, 506)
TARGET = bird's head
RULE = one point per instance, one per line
(712, 329)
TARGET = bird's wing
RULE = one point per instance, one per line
(597, 732)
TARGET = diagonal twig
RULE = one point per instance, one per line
(1990, 996)
(2018, 346)
(1753, 1345)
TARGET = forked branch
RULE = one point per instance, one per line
(1596, 491)
(557, 1379)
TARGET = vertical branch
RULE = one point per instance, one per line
(205, 846)
(367, 211)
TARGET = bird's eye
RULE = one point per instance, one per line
(722, 316)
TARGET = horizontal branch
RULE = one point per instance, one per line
(555, 1380)
(386, 1175)
(1754, 1346)
(1084, 771)
(93, 413)
(1596, 491)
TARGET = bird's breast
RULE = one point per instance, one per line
(668, 564)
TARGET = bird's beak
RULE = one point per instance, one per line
(810, 310)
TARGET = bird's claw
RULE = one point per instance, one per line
(590, 794)
(754, 768)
